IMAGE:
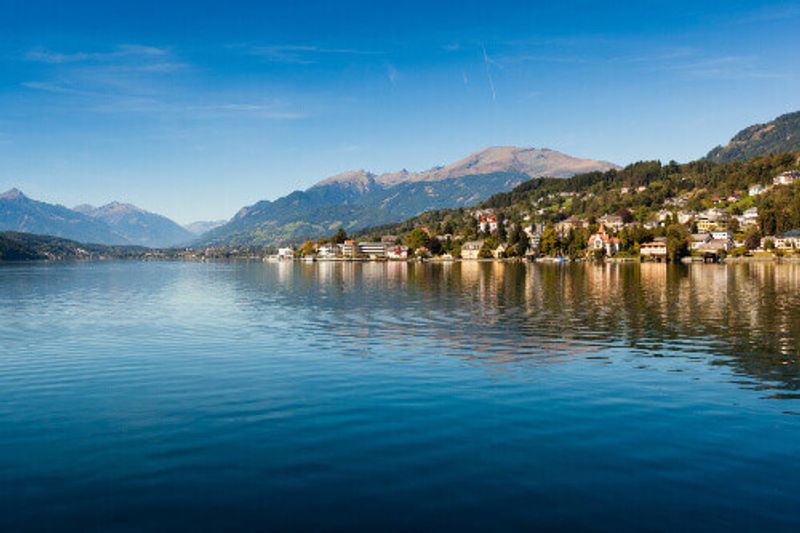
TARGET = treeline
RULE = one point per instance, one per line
(16, 246)
(779, 210)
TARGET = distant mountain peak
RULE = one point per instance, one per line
(136, 224)
(524, 160)
(353, 178)
(84, 209)
(12, 194)
(119, 207)
(203, 226)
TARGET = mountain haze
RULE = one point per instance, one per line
(779, 135)
(112, 224)
(202, 226)
(22, 214)
(359, 199)
(137, 225)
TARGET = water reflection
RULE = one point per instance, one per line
(746, 317)
(383, 396)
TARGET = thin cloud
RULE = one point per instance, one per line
(255, 110)
(769, 14)
(486, 63)
(45, 55)
(392, 74)
(52, 88)
(303, 54)
(724, 68)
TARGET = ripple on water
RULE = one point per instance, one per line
(136, 395)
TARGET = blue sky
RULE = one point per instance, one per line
(195, 109)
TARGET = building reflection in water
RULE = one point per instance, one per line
(508, 316)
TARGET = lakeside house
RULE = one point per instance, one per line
(789, 240)
(697, 240)
(714, 248)
(534, 241)
(471, 249)
(757, 189)
(655, 250)
(500, 251)
(397, 252)
(285, 253)
(603, 241)
(372, 249)
(329, 250)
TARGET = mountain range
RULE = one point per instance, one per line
(111, 224)
(353, 200)
(359, 199)
(203, 226)
(776, 136)
(137, 225)
(23, 214)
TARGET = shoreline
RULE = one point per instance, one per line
(512, 260)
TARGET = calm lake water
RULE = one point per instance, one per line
(391, 396)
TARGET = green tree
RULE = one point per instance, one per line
(501, 228)
(626, 215)
(417, 239)
(753, 239)
(522, 245)
(485, 252)
(340, 236)
(549, 242)
(677, 242)
(435, 246)
(307, 249)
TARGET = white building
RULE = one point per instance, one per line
(372, 249)
(786, 178)
(786, 241)
(722, 235)
(285, 253)
(471, 249)
(656, 250)
(756, 189)
(749, 217)
(397, 252)
(329, 250)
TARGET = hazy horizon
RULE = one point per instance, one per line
(193, 110)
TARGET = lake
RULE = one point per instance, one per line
(375, 396)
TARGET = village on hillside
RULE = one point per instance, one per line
(673, 233)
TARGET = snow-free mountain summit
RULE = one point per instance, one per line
(137, 225)
(112, 224)
(359, 199)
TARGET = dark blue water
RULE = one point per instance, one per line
(391, 396)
